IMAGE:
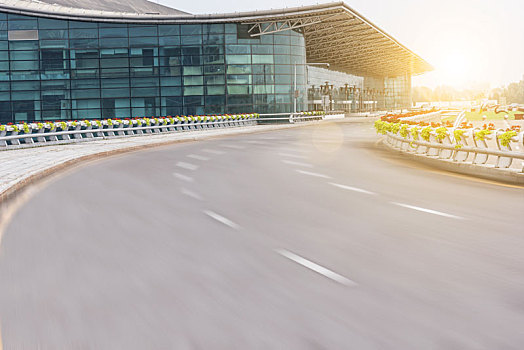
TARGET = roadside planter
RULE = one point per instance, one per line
(446, 142)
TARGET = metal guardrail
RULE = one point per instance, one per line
(469, 149)
(52, 133)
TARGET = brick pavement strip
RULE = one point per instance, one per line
(20, 167)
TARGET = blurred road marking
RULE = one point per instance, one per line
(315, 267)
(189, 194)
(291, 162)
(258, 142)
(349, 188)
(197, 157)
(292, 155)
(312, 174)
(183, 177)
(213, 151)
(427, 210)
(221, 219)
(187, 166)
(233, 146)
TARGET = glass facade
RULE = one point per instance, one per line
(58, 69)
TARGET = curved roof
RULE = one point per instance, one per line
(334, 32)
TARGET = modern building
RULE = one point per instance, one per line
(77, 59)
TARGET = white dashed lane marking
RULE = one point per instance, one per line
(187, 166)
(221, 219)
(292, 155)
(317, 268)
(355, 189)
(197, 157)
(191, 194)
(213, 151)
(233, 146)
(292, 162)
(183, 177)
(430, 211)
(312, 174)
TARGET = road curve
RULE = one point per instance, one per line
(306, 238)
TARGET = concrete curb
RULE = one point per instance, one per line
(485, 172)
(19, 186)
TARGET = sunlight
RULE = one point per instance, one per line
(454, 68)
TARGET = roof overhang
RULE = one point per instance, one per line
(334, 33)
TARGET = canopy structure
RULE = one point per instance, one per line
(334, 32)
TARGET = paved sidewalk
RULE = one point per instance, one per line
(20, 165)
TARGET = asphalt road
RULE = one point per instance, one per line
(307, 238)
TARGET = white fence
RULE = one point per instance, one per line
(459, 145)
(48, 133)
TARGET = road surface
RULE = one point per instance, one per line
(306, 238)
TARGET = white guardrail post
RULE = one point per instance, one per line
(59, 132)
(459, 144)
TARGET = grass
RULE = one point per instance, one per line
(476, 116)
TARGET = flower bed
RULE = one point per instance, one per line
(47, 126)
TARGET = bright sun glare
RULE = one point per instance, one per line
(454, 68)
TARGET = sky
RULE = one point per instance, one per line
(470, 43)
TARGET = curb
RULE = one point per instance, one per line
(485, 172)
(18, 187)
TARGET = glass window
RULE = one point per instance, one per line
(26, 85)
(23, 55)
(23, 45)
(172, 100)
(168, 29)
(52, 34)
(48, 23)
(83, 25)
(168, 40)
(113, 32)
(114, 42)
(170, 81)
(213, 39)
(238, 69)
(239, 79)
(23, 25)
(85, 83)
(262, 49)
(192, 70)
(141, 91)
(193, 90)
(213, 59)
(214, 69)
(83, 33)
(115, 83)
(91, 93)
(144, 82)
(109, 93)
(84, 43)
(215, 90)
(194, 80)
(238, 59)
(190, 29)
(215, 79)
(213, 28)
(54, 44)
(240, 100)
(191, 40)
(260, 59)
(24, 65)
(238, 49)
(143, 31)
(143, 41)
